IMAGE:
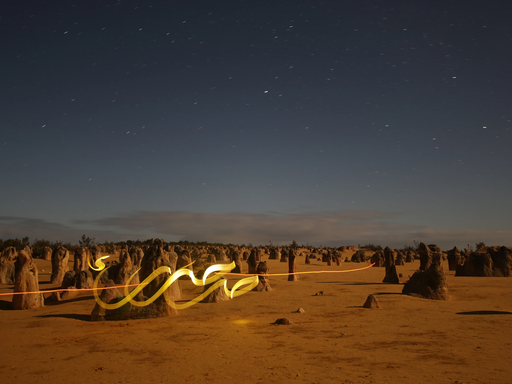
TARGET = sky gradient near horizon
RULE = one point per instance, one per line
(324, 122)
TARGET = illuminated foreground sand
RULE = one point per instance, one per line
(467, 339)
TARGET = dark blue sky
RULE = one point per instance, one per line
(324, 122)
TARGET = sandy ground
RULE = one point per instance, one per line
(408, 340)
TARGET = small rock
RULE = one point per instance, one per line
(282, 321)
(321, 293)
(300, 310)
(371, 302)
(70, 293)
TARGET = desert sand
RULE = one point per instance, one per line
(466, 339)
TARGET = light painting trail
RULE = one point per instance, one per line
(223, 269)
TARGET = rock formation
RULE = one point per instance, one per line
(156, 257)
(84, 280)
(371, 302)
(502, 261)
(47, 253)
(217, 295)
(262, 271)
(136, 254)
(220, 254)
(429, 284)
(258, 253)
(292, 267)
(410, 257)
(173, 258)
(389, 263)
(337, 257)
(237, 258)
(127, 311)
(284, 255)
(359, 256)
(6, 273)
(124, 270)
(378, 259)
(95, 253)
(68, 280)
(282, 321)
(454, 259)
(274, 253)
(425, 256)
(80, 260)
(400, 258)
(184, 259)
(9, 254)
(60, 258)
(476, 264)
(26, 280)
(251, 262)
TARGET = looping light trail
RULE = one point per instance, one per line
(222, 269)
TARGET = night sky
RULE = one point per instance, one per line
(326, 122)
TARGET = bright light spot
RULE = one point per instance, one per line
(241, 322)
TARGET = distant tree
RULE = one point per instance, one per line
(25, 241)
(16, 243)
(38, 246)
(409, 248)
(109, 246)
(372, 247)
(479, 245)
(294, 244)
(86, 241)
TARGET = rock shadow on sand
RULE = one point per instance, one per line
(484, 313)
(5, 305)
(68, 316)
(349, 283)
(72, 300)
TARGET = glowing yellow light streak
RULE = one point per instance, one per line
(224, 269)
(99, 263)
(304, 272)
(215, 282)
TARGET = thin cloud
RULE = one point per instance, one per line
(19, 227)
(328, 229)
(320, 229)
